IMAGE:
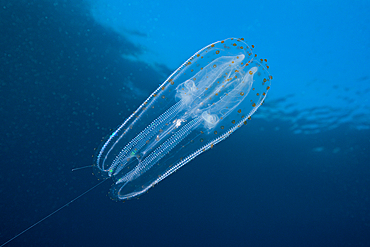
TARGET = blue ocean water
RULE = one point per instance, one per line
(296, 175)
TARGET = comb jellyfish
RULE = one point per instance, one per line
(205, 100)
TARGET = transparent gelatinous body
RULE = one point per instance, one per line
(205, 100)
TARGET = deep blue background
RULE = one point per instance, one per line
(65, 82)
